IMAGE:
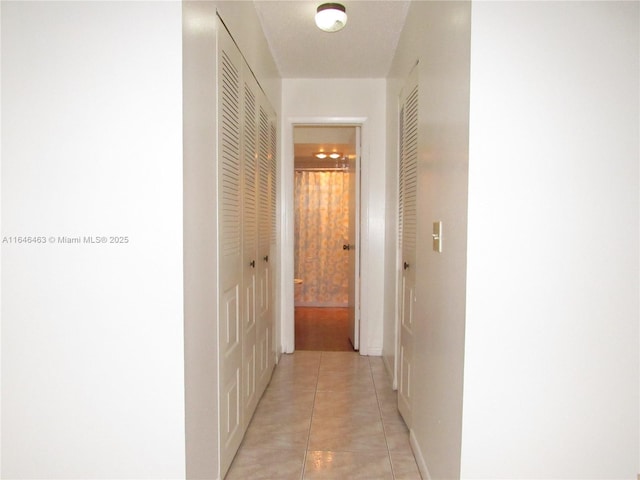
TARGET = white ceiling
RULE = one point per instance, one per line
(363, 49)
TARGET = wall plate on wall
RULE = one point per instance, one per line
(437, 237)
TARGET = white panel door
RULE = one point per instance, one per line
(231, 428)
(270, 259)
(264, 300)
(407, 239)
(273, 247)
(250, 261)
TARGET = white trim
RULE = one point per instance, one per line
(417, 453)
(358, 204)
(398, 249)
(321, 304)
(390, 368)
(287, 226)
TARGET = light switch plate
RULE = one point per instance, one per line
(437, 237)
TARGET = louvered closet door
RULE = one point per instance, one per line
(270, 248)
(229, 250)
(407, 238)
(250, 259)
(264, 323)
(273, 188)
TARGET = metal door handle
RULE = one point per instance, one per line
(252, 263)
(406, 265)
(346, 247)
(266, 259)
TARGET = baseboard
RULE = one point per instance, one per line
(417, 453)
(374, 352)
(320, 305)
(389, 369)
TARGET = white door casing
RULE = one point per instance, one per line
(354, 245)
(287, 226)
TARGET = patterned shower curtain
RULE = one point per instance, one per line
(321, 228)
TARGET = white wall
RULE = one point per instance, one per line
(200, 233)
(551, 333)
(551, 362)
(437, 35)
(200, 229)
(92, 337)
(395, 82)
(340, 98)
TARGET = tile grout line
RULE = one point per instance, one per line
(313, 407)
(377, 378)
(384, 428)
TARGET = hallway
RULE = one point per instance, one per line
(326, 415)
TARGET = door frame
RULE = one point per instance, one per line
(286, 318)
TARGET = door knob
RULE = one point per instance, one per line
(266, 259)
(346, 247)
(252, 263)
(406, 265)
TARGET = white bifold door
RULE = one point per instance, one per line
(266, 242)
(245, 167)
(407, 239)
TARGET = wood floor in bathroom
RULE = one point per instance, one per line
(325, 329)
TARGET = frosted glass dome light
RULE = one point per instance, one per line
(331, 17)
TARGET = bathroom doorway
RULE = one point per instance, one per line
(326, 161)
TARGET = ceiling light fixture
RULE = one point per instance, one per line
(323, 155)
(331, 17)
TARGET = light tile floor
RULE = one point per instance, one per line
(326, 415)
